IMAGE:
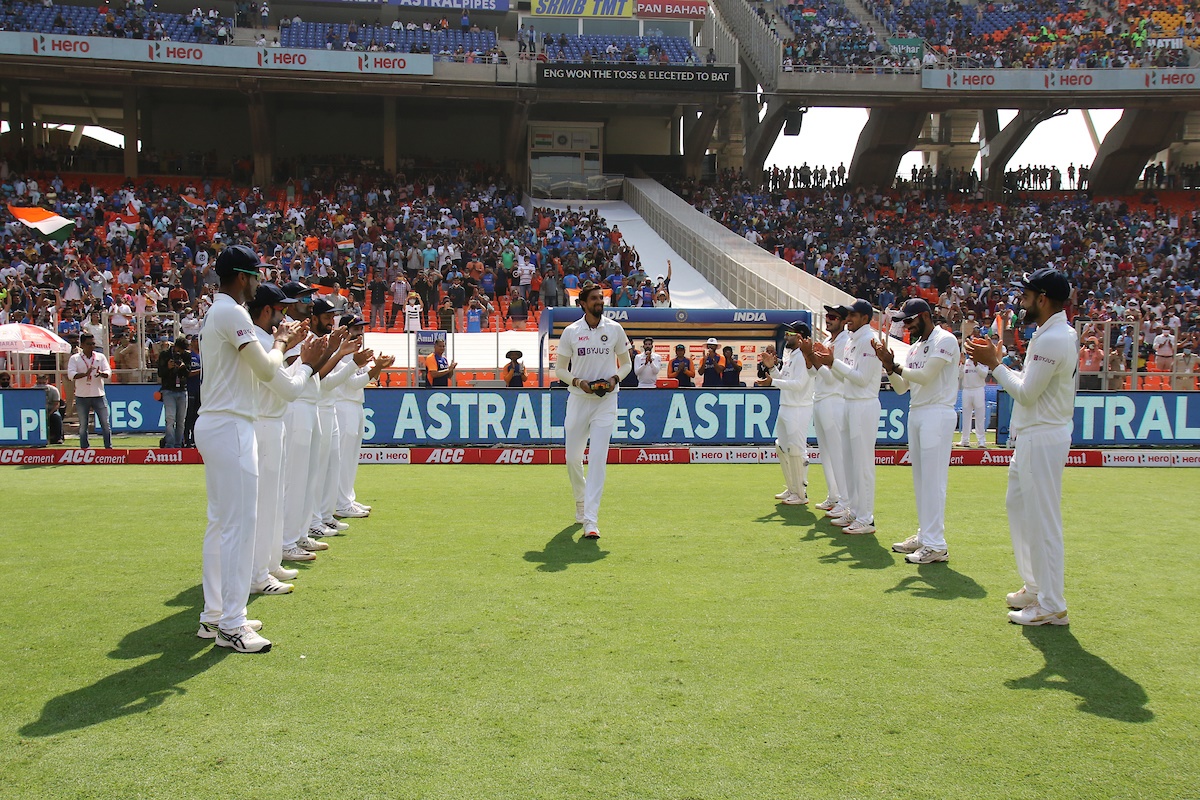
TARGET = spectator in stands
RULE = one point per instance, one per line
(1185, 367)
(447, 320)
(1091, 363)
(518, 310)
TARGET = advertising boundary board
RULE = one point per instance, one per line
(72, 456)
(645, 77)
(1051, 81)
(1124, 419)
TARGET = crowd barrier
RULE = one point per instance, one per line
(692, 417)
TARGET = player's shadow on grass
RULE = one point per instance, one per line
(562, 551)
(939, 582)
(181, 656)
(1102, 689)
(791, 517)
(858, 552)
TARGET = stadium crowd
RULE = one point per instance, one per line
(1131, 263)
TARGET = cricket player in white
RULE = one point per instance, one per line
(860, 373)
(829, 411)
(974, 402)
(323, 480)
(930, 372)
(794, 379)
(234, 362)
(266, 309)
(593, 357)
(351, 420)
(646, 365)
(1042, 421)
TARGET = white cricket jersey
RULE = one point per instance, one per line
(227, 382)
(274, 395)
(1044, 392)
(647, 369)
(353, 390)
(794, 379)
(943, 389)
(974, 376)
(593, 351)
(827, 385)
(312, 387)
(859, 368)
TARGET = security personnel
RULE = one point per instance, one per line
(1042, 420)
(794, 378)
(930, 371)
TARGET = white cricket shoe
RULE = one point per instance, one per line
(783, 495)
(284, 574)
(362, 506)
(242, 640)
(208, 630)
(336, 524)
(857, 528)
(827, 504)
(590, 531)
(838, 510)
(351, 513)
(792, 499)
(1023, 598)
(927, 555)
(311, 545)
(909, 545)
(579, 511)
(321, 533)
(298, 553)
(844, 520)
(271, 585)
(1036, 615)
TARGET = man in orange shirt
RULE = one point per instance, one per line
(438, 368)
(513, 373)
(1091, 362)
(712, 363)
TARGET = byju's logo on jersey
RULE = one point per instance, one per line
(592, 351)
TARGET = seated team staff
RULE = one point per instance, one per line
(438, 368)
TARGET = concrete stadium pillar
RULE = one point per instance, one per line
(762, 120)
(1133, 141)
(959, 127)
(18, 115)
(729, 142)
(262, 143)
(697, 136)
(129, 127)
(887, 137)
(389, 135)
(516, 142)
(998, 146)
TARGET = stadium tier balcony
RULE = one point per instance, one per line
(106, 21)
(640, 49)
(334, 35)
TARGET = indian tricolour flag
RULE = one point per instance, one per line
(47, 223)
(192, 201)
(345, 247)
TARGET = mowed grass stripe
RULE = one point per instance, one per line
(462, 643)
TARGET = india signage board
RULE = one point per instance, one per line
(247, 59)
(672, 9)
(582, 8)
(1136, 81)
(626, 77)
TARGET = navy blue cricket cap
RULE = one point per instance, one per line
(322, 306)
(1047, 281)
(296, 289)
(861, 306)
(352, 321)
(914, 307)
(238, 258)
(837, 311)
(269, 294)
(798, 326)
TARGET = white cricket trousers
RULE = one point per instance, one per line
(974, 404)
(589, 419)
(268, 536)
(792, 426)
(1034, 505)
(829, 414)
(325, 474)
(351, 419)
(930, 439)
(859, 431)
(299, 448)
(227, 445)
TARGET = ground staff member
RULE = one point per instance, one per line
(794, 379)
(234, 362)
(860, 372)
(930, 372)
(593, 357)
(1042, 419)
(974, 402)
(829, 409)
(267, 310)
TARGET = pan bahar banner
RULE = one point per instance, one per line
(645, 77)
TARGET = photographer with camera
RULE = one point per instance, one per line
(593, 357)
(174, 367)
